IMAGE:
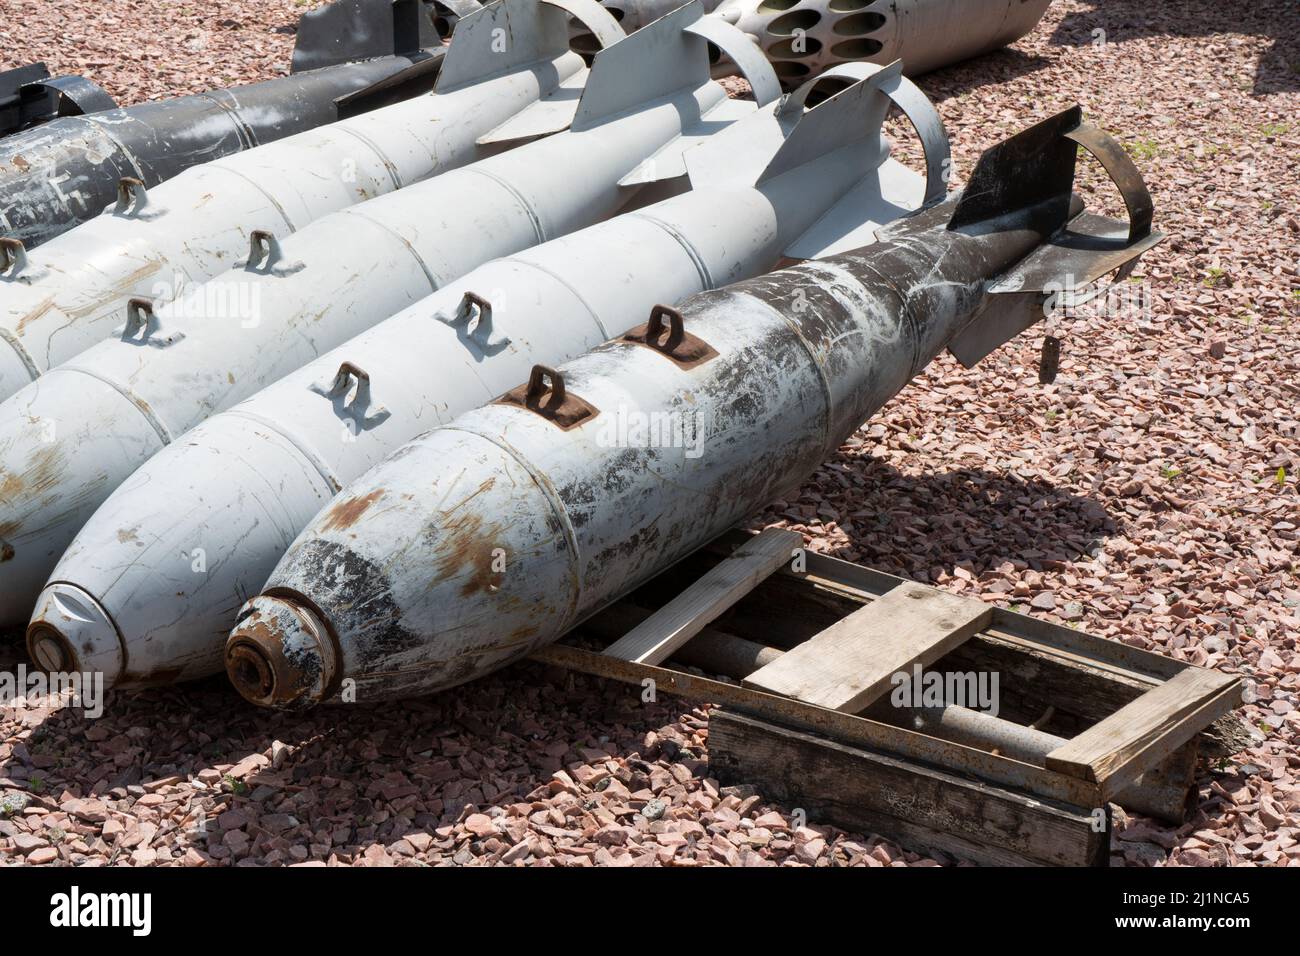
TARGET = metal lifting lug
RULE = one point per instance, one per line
(132, 197)
(680, 346)
(553, 402)
(473, 304)
(143, 326)
(476, 311)
(139, 318)
(362, 409)
(342, 381)
(263, 250)
(13, 257)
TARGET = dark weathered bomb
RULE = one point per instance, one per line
(491, 536)
(29, 96)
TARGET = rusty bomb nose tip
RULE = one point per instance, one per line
(251, 670)
(280, 654)
(71, 631)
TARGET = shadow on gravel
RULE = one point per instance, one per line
(924, 526)
(997, 67)
(352, 776)
(1278, 70)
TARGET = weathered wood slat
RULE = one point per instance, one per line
(1115, 751)
(714, 651)
(655, 639)
(923, 807)
(852, 662)
(1022, 628)
(907, 744)
(1162, 792)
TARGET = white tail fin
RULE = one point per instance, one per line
(656, 61)
(854, 116)
(660, 61)
(510, 34)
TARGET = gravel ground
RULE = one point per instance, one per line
(1150, 496)
(141, 50)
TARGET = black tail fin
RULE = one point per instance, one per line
(349, 30)
(1033, 174)
(1033, 170)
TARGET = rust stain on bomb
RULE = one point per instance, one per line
(263, 633)
(349, 511)
(10, 487)
(470, 551)
(41, 476)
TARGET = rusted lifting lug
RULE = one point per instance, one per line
(553, 402)
(475, 305)
(363, 409)
(680, 346)
(347, 373)
(139, 318)
(470, 303)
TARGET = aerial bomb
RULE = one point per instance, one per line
(65, 171)
(207, 518)
(68, 439)
(59, 300)
(487, 538)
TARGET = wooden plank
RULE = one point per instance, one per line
(655, 639)
(1115, 751)
(858, 731)
(924, 808)
(852, 662)
(1161, 792)
(713, 651)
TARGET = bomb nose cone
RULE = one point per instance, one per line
(66, 441)
(70, 632)
(281, 654)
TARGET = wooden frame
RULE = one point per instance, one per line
(1132, 722)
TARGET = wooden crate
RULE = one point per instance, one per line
(815, 643)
